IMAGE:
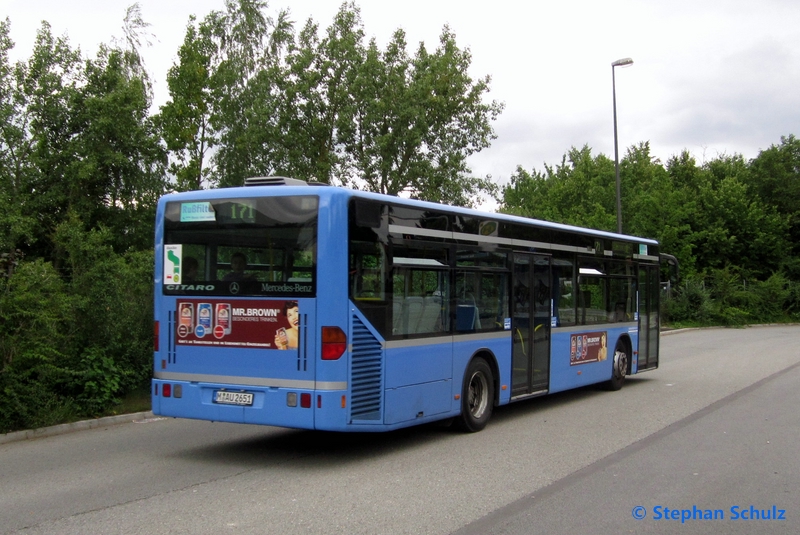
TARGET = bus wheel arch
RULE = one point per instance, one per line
(478, 392)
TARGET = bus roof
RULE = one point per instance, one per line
(335, 191)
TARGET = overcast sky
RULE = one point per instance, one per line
(709, 76)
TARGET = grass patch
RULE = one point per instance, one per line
(136, 401)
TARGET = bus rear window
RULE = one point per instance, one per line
(248, 246)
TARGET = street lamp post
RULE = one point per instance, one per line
(618, 63)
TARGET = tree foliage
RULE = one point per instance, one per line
(81, 169)
(723, 220)
(324, 106)
(185, 122)
(418, 119)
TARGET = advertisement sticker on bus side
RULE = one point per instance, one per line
(588, 347)
(272, 324)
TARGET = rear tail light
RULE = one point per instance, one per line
(166, 390)
(155, 336)
(334, 343)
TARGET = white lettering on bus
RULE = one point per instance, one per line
(296, 287)
(191, 287)
(264, 312)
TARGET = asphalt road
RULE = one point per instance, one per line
(715, 427)
(731, 468)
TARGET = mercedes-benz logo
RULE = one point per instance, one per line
(234, 287)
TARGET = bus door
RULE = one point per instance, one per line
(649, 289)
(532, 313)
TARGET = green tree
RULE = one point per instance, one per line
(316, 111)
(117, 174)
(249, 45)
(185, 121)
(734, 227)
(46, 91)
(680, 206)
(81, 139)
(329, 108)
(290, 107)
(111, 313)
(17, 224)
(34, 310)
(775, 178)
(579, 191)
(525, 193)
(418, 119)
(82, 168)
(656, 205)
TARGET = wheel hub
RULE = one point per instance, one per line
(620, 364)
(478, 398)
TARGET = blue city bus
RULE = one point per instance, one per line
(300, 305)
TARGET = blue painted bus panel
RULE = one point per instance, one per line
(331, 411)
(568, 371)
(413, 402)
(256, 363)
(198, 368)
(419, 363)
(332, 302)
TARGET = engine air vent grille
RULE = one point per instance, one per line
(366, 375)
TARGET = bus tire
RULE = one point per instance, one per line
(619, 367)
(477, 397)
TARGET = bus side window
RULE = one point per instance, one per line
(482, 300)
(564, 294)
(419, 303)
(592, 305)
(620, 300)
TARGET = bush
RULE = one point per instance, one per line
(102, 381)
(793, 299)
(34, 314)
(72, 344)
(770, 298)
(691, 302)
(113, 297)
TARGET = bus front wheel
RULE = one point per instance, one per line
(477, 398)
(619, 368)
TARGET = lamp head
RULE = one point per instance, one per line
(622, 62)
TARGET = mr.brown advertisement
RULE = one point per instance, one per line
(270, 324)
(588, 347)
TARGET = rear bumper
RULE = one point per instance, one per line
(271, 405)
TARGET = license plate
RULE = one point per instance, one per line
(233, 398)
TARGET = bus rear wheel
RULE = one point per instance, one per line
(477, 398)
